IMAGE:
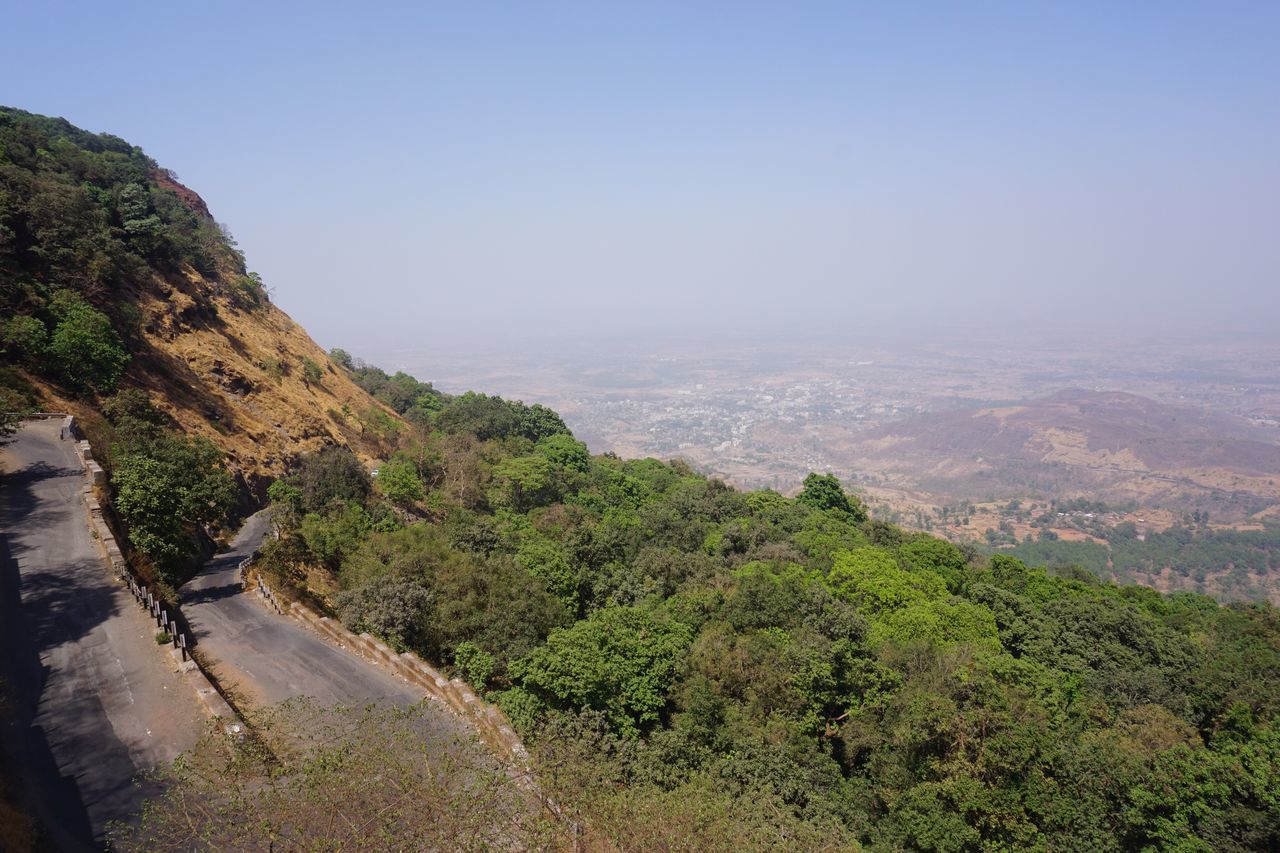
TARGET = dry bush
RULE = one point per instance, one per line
(380, 778)
(342, 778)
(703, 813)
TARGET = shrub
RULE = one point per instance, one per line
(331, 474)
(248, 292)
(398, 480)
(85, 350)
(274, 368)
(392, 607)
(475, 664)
(23, 339)
(311, 372)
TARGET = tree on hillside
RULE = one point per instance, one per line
(85, 350)
(489, 417)
(23, 339)
(398, 480)
(167, 489)
(823, 491)
(538, 421)
(333, 473)
(342, 358)
(620, 661)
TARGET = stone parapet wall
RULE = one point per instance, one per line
(487, 719)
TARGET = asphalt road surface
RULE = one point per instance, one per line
(264, 658)
(90, 698)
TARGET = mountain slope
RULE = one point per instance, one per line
(106, 259)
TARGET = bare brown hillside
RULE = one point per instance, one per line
(236, 373)
(1111, 446)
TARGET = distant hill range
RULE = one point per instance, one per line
(1112, 446)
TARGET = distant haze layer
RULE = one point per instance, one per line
(459, 173)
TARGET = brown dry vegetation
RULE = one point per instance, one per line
(17, 828)
(1107, 446)
(233, 373)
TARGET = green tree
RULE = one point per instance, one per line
(337, 532)
(493, 603)
(164, 494)
(475, 664)
(85, 350)
(524, 482)
(538, 422)
(823, 491)
(936, 555)
(393, 607)
(333, 473)
(484, 416)
(872, 579)
(285, 495)
(940, 622)
(398, 481)
(564, 451)
(545, 561)
(142, 227)
(620, 660)
(23, 339)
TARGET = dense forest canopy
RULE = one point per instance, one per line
(677, 636)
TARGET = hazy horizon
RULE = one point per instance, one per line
(408, 176)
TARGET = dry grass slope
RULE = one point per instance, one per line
(236, 374)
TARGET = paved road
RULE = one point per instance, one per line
(92, 699)
(266, 658)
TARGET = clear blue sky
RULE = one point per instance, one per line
(414, 172)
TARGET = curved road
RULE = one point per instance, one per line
(91, 699)
(87, 697)
(264, 657)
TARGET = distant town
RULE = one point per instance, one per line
(762, 416)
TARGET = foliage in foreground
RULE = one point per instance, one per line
(340, 778)
(382, 778)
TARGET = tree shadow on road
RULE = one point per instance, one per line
(51, 796)
(47, 605)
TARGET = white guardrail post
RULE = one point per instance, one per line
(265, 592)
